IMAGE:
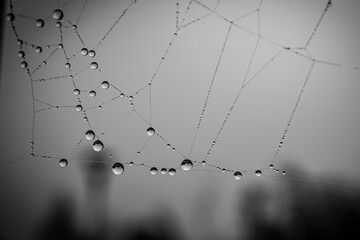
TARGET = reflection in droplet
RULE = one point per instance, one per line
(92, 53)
(76, 91)
(237, 175)
(58, 14)
(172, 171)
(150, 131)
(78, 108)
(153, 170)
(84, 51)
(163, 171)
(93, 65)
(258, 173)
(40, 23)
(89, 135)
(92, 93)
(105, 85)
(63, 162)
(38, 49)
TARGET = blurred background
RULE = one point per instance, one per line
(178, 44)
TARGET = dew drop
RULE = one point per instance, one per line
(163, 171)
(153, 170)
(21, 54)
(40, 23)
(168, 145)
(92, 53)
(38, 49)
(60, 46)
(271, 166)
(58, 24)
(237, 175)
(203, 162)
(258, 173)
(67, 65)
(105, 85)
(92, 93)
(131, 164)
(186, 165)
(76, 92)
(63, 162)
(122, 95)
(78, 108)
(58, 14)
(283, 173)
(172, 171)
(93, 65)
(10, 17)
(23, 64)
(150, 131)
(117, 168)
(84, 51)
(98, 146)
(89, 135)
(74, 27)
(20, 42)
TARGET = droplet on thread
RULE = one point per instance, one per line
(98, 146)
(172, 171)
(117, 168)
(237, 175)
(258, 173)
(105, 85)
(153, 170)
(93, 65)
(58, 14)
(150, 131)
(40, 23)
(89, 135)
(186, 165)
(63, 162)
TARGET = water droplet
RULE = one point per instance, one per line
(105, 85)
(131, 164)
(20, 42)
(150, 131)
(63, 162)
(163, 171)
(134, 1)
(76, 92)
(258, 173)
(84, 51)
(92, 53)
(168, 145)
(32, 155)
(237, 175)
(172, 171)
(89, 135)
(44, 63)
(78, 108)
(58, 24)
(122, 95)
(131, 98)
(203, 162)
(223, 170)
(67, 65)
(117, 168)
(271, 166)
(85, 119)
(99, 107)
(93, 65)
(98, 146)
(58, 14)
(38, 49)
(283, 173)
(60, 46)
(74, 27)
(10, 17)
(186, 165)
(40, 23)
(153, 170)
(92, 93)
(21, 54)
(23, 64)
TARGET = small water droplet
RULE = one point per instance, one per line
(89, 135)
(58, 14)
(20, 42)
(40, 23)
(38, 49)
(258, 173)
(163, 171)
(153, 170)
(186, 165)
(63, 162)
(92, 93)
(60, 46)
(58, 24)
(168, 145)
(67, 65)
(203, 162)
(117, 168)
(150, 131)
(172, 171)
(76, 92)
(84, 51)
(131, 164)
(93, 65)
(74, 27)
(122, 95)
(105, 85)
(78, 108)
(21, 54)
(283, 173)
(237, 175)
(23, 64)
(271, 166)
(98, 146)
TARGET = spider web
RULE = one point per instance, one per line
(197, 83)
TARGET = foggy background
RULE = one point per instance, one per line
(85, 200)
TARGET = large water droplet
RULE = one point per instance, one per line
(67, 65)
(84, 51)
(38, 49)
(153, 170)
(58, 14)
(78, 108)
(150, 131)
(237, 175)
(76, 91)
(89, 135)
(40, 23)
(21, 54)
(258, 173)
(92, 53)
(172, 171)
(10, 17)
(92, 93)
(63, 162)
(163, 171)
(117, 168)
(98, 146)
(23, 64)
(186, 165)
(105, 85)
(93, 65)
